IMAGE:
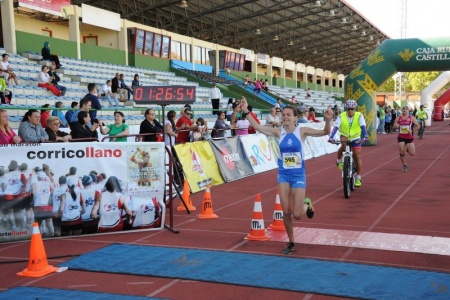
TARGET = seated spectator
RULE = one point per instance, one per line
(47, 55)
(116, 87)
(308, 93)
(293, 100)
(243, 124)
(54, 134)
(301, 117)
(6, 70)
(119, 129)
(30, 129)
(54, 79)
(273, 119)
(44, 115)
(85, 105)
(7, 134)
(107, 94)
(44, 81)
(252, 130)
(312, 115)
(59, 114)
(5, 95)
(135, 81)
(150, 125)
(246, 80)
(81, 130)
(123, 85)
(71, 112)
(220, 126)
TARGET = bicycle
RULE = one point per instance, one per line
(348, 169)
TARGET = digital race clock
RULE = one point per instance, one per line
(164, 95)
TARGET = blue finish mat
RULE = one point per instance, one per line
(267, 271)
(34, 293)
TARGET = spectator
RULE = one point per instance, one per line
(54, 134)
(80, 129)
(272, 118)
(258, 86)
(7, 134)
(125, 86)
(150, 125)
(59, 114)
(71, 112)
(107, 94)
(116, 87)
(228, 70)
(243, 124)
(301, 117)
(5, 94)
(214, 95)
(95, 103)
(312, 115)
(135, 81)
(30, 129)
(44, 81)
(45, 113)
(220, 126)
(55, 80)
(278, 104)
(266, 85)
(308, 93)
(293, 100)
(6, 71)
(170, 129)
(234, 117)
(46, 55)
(246, 80)
(252, 130)
(119, 129)
(185, 124)
(201, 133)
(85, 105)
(229, 108)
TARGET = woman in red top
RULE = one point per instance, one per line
(405, 137)
(312, 115)
(44, 115)
(7, 135)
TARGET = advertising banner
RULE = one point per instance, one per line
(199, 165)
(231, 158)
(50, 7)
(274, 143)
(81, 188)
(261, 156)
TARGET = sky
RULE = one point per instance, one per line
(426, 18)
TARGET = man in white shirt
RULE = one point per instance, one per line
(214, 95)
(107, 94)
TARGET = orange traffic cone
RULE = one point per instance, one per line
(207, 209)
(37, 264)
(257, 232)
(186, 198)
(278, 222)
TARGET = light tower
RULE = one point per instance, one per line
(400, 79)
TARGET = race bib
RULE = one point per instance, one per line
(404, 129)
(292, 160)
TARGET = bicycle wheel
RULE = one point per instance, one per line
(346, 178)
(352, 177)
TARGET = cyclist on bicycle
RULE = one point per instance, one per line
(405, 137)
(350, 124)
(421, 116)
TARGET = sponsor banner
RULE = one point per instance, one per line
(261, 156)
(50, 7)
(274, 144)
(81, 188)
(231, 158)
(199, 165)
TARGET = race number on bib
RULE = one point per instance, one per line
(404, 129)
(292, 160)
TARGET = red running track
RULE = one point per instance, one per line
(389, 202)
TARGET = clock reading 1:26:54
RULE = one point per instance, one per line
(178, 94)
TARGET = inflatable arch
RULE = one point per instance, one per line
(431, 89)
(400, 55)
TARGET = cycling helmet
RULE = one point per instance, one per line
(350, 103)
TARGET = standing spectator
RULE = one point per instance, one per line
(246, 81)
(266, 85)
(45, 113)
(109, 95)
(388, 120)
(382, 120)
(59, 114)
(7, 134)
(44, 81)
(229, 108)
(54, 134)
(46, 55)
(185, 124)
(234, 117)
(6, 70)
(71, 112)
(125, 86)
(30, 129)
(257, 84)
(120, 130)
(228, 70)
(116, 87)
(201, 133)
(308, 93)
(214, 95)
(170, 129)
(251, 129)
(55, 80)
(95, 103)
(243, 124)
(220, 126)
(150, 125)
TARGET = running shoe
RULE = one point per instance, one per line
(358, 182)
(339, 164)
(405, 168)
(310, 209)
(290, 248)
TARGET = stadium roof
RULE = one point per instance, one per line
(332, 36)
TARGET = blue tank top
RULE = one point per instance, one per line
(291, 152)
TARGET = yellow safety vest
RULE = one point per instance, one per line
(351, 131)
(422, 114)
